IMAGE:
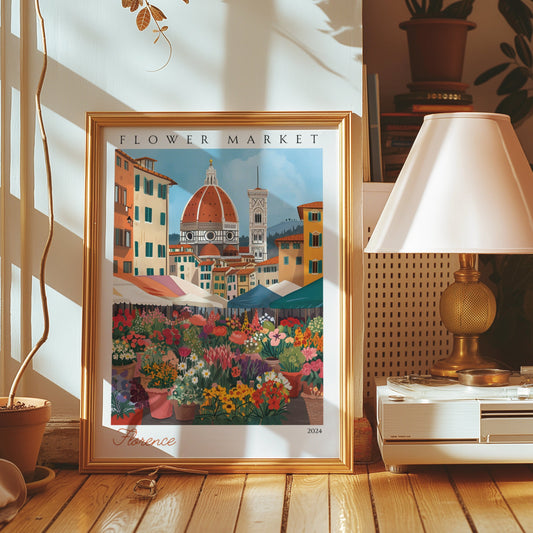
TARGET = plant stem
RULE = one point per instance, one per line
(44, 256)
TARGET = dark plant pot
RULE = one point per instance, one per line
(436, 50)
(21, 433)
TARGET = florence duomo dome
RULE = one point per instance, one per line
(210, 223)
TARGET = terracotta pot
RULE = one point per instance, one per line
(184, 413)
(160, 405)
(21, 433)
(273, 363)
(295, 379)
(133, 419)
(436, 49)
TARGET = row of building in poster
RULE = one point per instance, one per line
(209, 254)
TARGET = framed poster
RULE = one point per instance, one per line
(217, 292)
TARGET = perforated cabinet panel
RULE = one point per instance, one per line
(403, 331)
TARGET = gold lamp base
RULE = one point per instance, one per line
(467, 309)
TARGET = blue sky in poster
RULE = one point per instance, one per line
(292, 176)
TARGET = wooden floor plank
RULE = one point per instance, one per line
(218, 505)
(262, 504)
(172, 508)
(351, 503)
(85, 507)
(42, 508)
(394, 501)
(483, 500)
(309, 504)
(516, 485)
(124, 510)
(437, 501)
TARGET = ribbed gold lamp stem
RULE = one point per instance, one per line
(467, 309)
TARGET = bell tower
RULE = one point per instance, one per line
(258, 221)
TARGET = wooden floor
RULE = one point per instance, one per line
(451, 499)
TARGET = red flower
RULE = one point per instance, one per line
(238, 337)
(235, 372)
(220, 331)
(184, 351)
(197, 320)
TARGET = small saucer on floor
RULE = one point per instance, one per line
(43, 475)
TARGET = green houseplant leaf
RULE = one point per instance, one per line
(490, 73)
(518, 15)
(514, 81)
(523, 50)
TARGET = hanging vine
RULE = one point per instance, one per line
(147, 13)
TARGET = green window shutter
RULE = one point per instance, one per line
(320, 267)
(136, 246)
(309, 216)
(163, 218)
(319, 218)
(137, 182)
(310, 267)
(161, 271)
(320, 239)
(136, 212)
(310, 239)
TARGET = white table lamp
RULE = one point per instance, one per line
(466, 188)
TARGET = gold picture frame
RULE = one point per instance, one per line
(135, 160)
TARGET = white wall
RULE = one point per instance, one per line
(385, 52)
(227, 55)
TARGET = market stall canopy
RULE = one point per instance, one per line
(125, 292)
(201, 300)
(168, 282)
(311, 295)
(284, 287)
(256, 298)
(148, 284)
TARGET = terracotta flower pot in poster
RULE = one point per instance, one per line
(295, 380)
(185, 413)
(160, 405)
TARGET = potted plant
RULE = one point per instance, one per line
(518, 63)
(124, 358)
(436, 38)
(23, 420)
(160, 379)
(291, 361)
(186, 395)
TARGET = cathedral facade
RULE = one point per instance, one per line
(210, 222)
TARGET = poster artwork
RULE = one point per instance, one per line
(217, 283)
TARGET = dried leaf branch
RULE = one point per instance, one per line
(145, 16)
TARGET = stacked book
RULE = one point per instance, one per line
(398, 132)
(399, 129)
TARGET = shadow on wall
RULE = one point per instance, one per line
(255, 33)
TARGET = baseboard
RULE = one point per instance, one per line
(60, 444)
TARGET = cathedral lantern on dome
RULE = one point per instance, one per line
(210, 223)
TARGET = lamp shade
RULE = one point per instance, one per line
(466, 187)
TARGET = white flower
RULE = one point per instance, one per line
(200, 364)
(194, 380)
(194, 357)
(182, 366)
(205, 373)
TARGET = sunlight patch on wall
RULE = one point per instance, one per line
(14, 171)
(58, 360)
(15, 18)
(15, 311)
(66, 143)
